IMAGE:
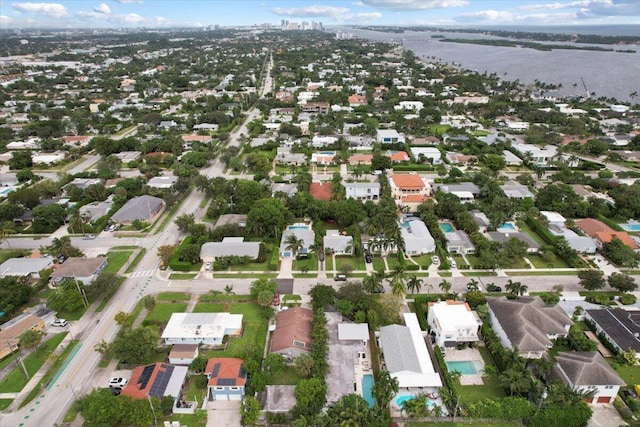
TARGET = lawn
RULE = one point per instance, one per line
(356, 262)
(116, 259)
(173, 296)
(524, 227)
(393, 261)
(309, 263)
(15, 380)
(182, 276)
(490, 389)
(629, 374)
(255, 326)
(540, 263)
(378, 264)
(136, 260)
(257, 266)
(286, 377)
(163, 311)
(4, 403)
(423, 260)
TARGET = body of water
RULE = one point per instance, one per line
(367, 387)
(608, 74)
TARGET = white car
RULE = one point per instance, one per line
(452, 262)
(118, 382)
(208, 265)
(435, 260)
(60, 322)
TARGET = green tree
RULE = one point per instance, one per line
(189, 253)
(149, 303)
(135, 346)
(619, 253)
(7, 228)
(101, 286)
(398, 280)
(228, 290)
(311, 396)
(414, 284)
(322, 296)
(267, 217)
(260, 285)
(20, 160)
(265, 298)
(516, 289)
(165, 252)
(63, 246)
(591, 279)
(350, 410)
(445, 286)
(293, 244)
(516, 380)
(274, 364)
(123, 319)
(622, 282)
(66, 297)
(384, 388)
(47, 218)
(30, 339)
(184, 221)
(303, 365)
(249, 410)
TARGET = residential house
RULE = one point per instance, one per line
(405, 356)
(322, 141)
(92, 212)
(81, 183)
(157, 381)
(427, 154)
(460, 159)
(86, 270)
(285, 156)
(188, 140)
(481, 219)
(128, 156)
(230, 246)
(34, 319)
(315, 107)
(588, 372)
(527, 324)
(362, 190)
(511, 159)
(502, 237)
(28, 268)
(409, 189)
(142, 208)
(321, 190)
(183, 354)
(452, 323)
(466, 192)
(397, 156)
(357, 100)
(284, 188)
(227, 379)
(515, 190)
(416, 237)
(582, 244)
(459, 242)
(602, 233)
(201, 328)
(620, 327)
(292, 334)
(324, 158)
(360, 159)
(389, 136)
(303, 232)
(338, 243)
(162, 182)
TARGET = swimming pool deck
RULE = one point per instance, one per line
(467, 355)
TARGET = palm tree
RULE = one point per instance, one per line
(515, 379)
(6, 229)
(414, 284)
(473, 285)
(398, 280)
(516, 288)
(293, 244)
(445, 286)
(372, 282)
(229, 291)
(62, 246)
(215, 294)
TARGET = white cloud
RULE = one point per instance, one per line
(129, 1)
(366, 16)
(506, 17)
(54, 10)
(102, 8)
(415, 4)
(311, 11)
(5, 20)
(556, 5)
(358, 3)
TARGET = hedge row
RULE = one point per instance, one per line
(610, 223)
(541, 230)
(275, 259)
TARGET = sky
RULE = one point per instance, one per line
(169, 13)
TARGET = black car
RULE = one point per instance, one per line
(367, 258)
(494, 288)
(340, 277)
(379, 290)
(321, 256)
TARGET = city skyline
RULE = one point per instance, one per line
(155, 13)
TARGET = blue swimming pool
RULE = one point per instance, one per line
(294, 227)
(508, 226)
(446, 227)
(327, 153)
(367, 386)
(404, 397)
(464, 367)
(630, 226)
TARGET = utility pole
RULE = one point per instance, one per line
(24, 368)
(155, 420)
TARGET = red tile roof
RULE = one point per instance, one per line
(320, 190)
(593, 226)
(399, 156)
(408, 181)
(606, 237)
(138, 388)
(225, 368)
(292, 325)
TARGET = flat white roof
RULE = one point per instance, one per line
(429, 377)
(453, 316)
(353, 331)
(201, 325)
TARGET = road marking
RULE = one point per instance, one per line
(144, 273)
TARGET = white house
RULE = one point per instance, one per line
(362, 190)
(453, 322)
(406, 356)
(430, 154)
(620, 327)
(303, 232)
(230, 246)
(338, 243)
(416, 236)
(389, 136)
(587, 371)
(205, 328)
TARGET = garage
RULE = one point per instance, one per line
(604, 399)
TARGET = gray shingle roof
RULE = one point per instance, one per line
(503, 237)
(584, 368)
(619, 325)
(230, 247)
(399, 353)
(528, 320)
(142, 208)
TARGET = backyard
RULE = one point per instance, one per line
(490, 389)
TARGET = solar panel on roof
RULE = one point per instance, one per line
(146, 374)
(242, 373)
(161, 381)
(216, 369)
(226, 381)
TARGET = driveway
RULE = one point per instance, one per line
(605, 416)
(223, 414)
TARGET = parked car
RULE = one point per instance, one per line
(494, 288)
(379, 290)
(89, 237)
(321, 256)
(118, 382)
(368, 258)
(340, 277)
(208, 265)
(452, 262)
(435, 260)
(61, 258)
(60, 322)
